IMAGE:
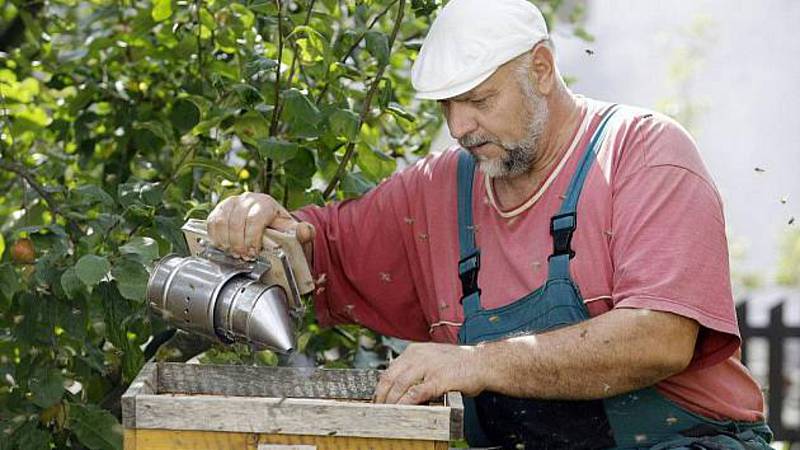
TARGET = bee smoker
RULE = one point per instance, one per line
(220, 296)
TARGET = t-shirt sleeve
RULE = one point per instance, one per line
(669, 246)
(366, 260)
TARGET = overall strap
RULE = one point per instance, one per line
(470, 258)
(563, 224)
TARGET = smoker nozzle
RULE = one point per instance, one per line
(221, 301)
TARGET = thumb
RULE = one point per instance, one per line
(305, 232)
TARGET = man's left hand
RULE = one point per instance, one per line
(427, 371)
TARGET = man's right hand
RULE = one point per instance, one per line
(237, 224)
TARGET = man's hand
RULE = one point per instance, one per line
(237, 224)
(427, 371)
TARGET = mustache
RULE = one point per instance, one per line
(474, 140)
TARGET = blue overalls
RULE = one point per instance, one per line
(635, 420)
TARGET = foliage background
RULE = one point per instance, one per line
(122, 119)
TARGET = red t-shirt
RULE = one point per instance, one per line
(651, 234)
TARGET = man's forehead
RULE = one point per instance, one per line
(488, 87)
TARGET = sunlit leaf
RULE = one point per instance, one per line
(162, 9)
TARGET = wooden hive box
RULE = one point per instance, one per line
(194, 406)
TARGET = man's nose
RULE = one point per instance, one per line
(460, 121)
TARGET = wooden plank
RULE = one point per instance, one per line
(293, 416)
(195, 440)
(144, 383)
(455, 402)
(347, 443)
(250, 381)
(129, 439)
(209, 440)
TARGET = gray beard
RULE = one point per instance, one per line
(520, 155)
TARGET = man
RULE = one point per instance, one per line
(576, 286)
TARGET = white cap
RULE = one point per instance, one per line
(469, 40)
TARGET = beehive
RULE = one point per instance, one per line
(195, 406)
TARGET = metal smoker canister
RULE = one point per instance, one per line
(221, 301)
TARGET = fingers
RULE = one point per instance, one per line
(396, 381)
(217, 224)
(258, 218)
(237, 224)
(400, 387)
(420, 393)
(306, 232)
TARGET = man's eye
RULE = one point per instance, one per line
(481, 102)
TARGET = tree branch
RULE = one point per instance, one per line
(352, 48)
(348, 154)
(294, 47)
(267, 174)
(44, 195)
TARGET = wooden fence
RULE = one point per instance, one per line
(777, 333)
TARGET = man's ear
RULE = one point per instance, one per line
(544, 67)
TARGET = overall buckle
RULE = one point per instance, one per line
(468, 273)
(562, 227)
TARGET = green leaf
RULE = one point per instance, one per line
(375, 164)
(267, 358)
(343, 42)
(354, 185)
(300, 114)
(212, 165)
(91, 269)
(162, 9)
(344, 123)
(313, 47)
(70, 282)
(386, 93)
(251, 126)
(9, 281)
(301, 168)
(378, 46)
(89, 194)
(47, 387)
(424, 8)
(139, 193)
(248, 94)
(263, 7)
(145, 140)
(398, 111)
(131, 279)
(184, 115)
(260, 66)
(2, 246)
(31, 437)
(158, 129)
(95, 428)
(170, 229)
(145, 249)
(226, 39)
(581, 33)
(277, 149)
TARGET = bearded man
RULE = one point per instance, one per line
(576, 288)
